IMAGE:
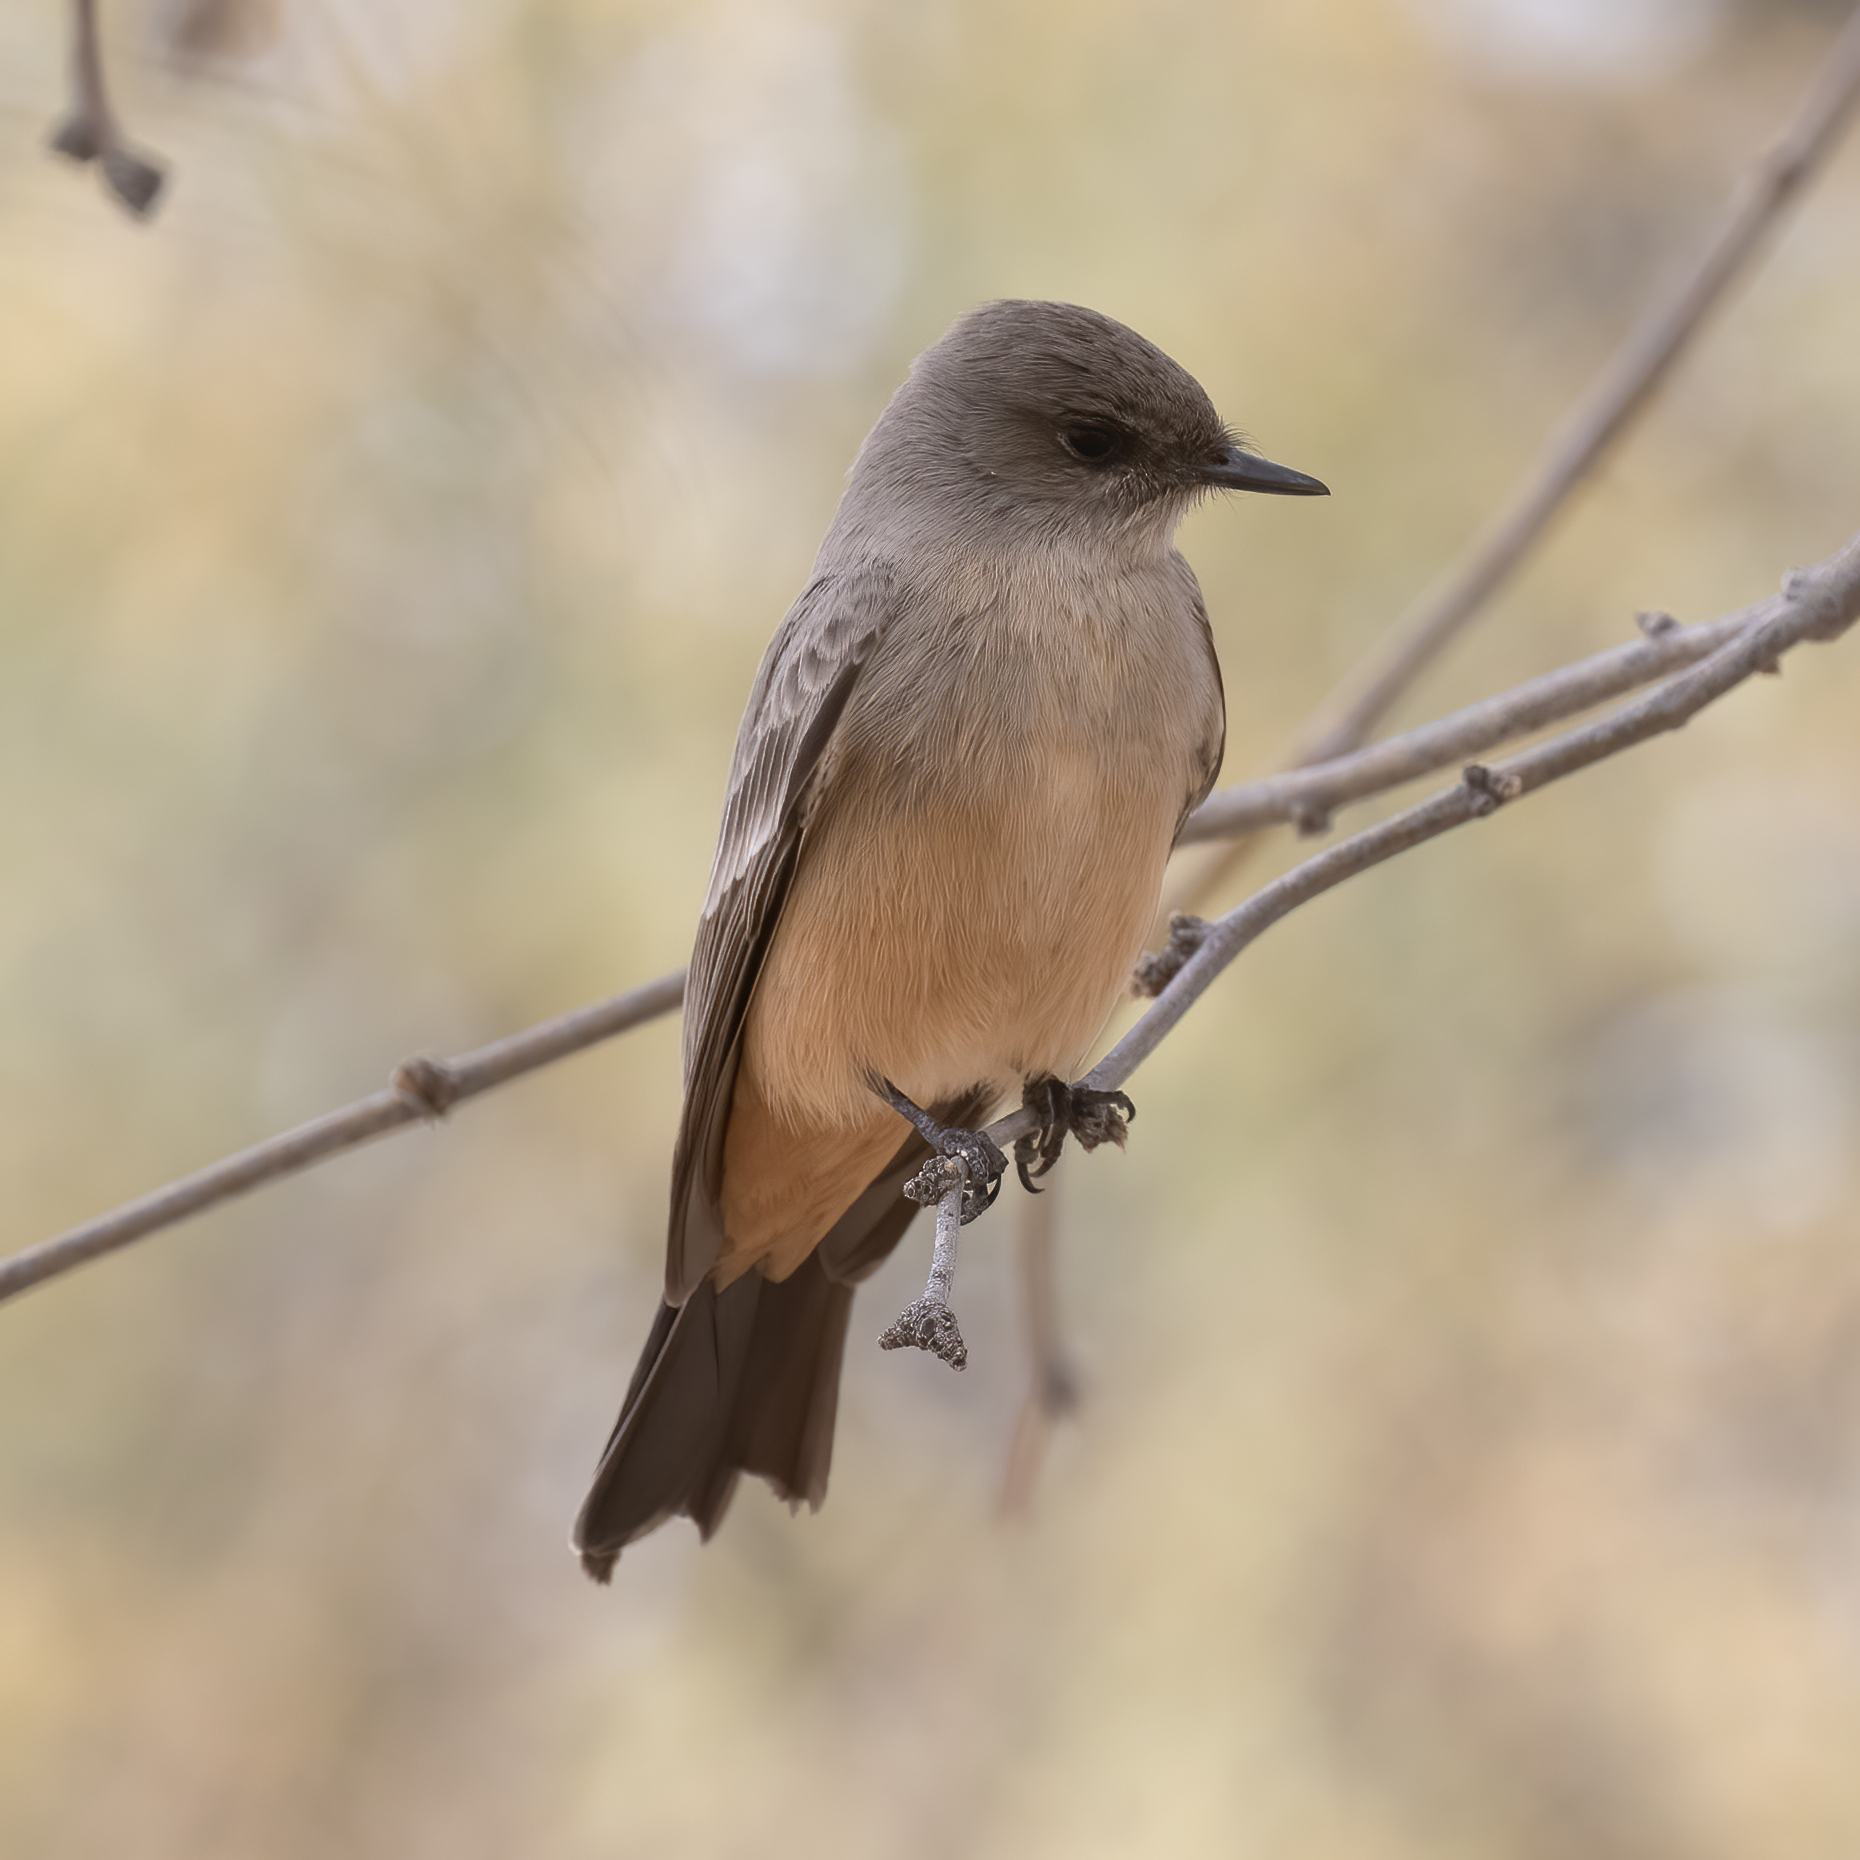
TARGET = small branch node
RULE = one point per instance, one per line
(1490, 790)
(1310, 821)
(1156, 969)
(1655, 623)
(1803, 587)
(430, 1083)
(932, 1182)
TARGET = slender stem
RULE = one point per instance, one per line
(942, 1280)
(424, 1089)
(1308, 796)
(1622, 389)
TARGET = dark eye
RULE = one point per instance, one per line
(1094, 441)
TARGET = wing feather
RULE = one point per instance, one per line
(806, 678)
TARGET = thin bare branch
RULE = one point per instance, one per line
(425, 1087)
(422, 1088)
(90, 131)
(1815, 604)
(1307, 797)
(1599, 418)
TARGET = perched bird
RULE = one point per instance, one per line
(964, 764)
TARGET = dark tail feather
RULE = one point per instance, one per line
(742, 1380)
(746, 1379)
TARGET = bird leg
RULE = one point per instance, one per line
(1093, 1117)
(981, 1155)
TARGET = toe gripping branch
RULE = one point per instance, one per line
(979, 1153)
(1064, 1110)
(964, 1177)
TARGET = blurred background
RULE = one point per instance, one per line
(1470, 1458)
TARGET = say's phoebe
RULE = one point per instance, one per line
(963, 767)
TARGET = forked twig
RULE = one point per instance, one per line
(90, 131)
(1815, 604)
(929, 1323)
(1579, 443)
(1623, 388)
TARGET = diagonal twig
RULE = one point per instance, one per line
(1307, 797)
(1623, 388)
(421, 1088)
(425, 1088)
(1815, 604)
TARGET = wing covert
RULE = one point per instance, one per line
(805, 679)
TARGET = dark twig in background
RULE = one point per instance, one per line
(90, 131)
(1620, 392)
(1623, 389)
(1053, 1389)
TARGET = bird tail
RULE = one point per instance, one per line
(746, 1379)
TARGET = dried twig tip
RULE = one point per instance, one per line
(1156, 969)
(928, 1326)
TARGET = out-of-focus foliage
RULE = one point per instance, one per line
(390, 532)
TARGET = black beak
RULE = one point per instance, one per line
(1235, 470)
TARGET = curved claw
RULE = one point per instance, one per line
(1094, 1117)
(1036, 1153)
(1101, 1117)
(986, 1166)
(980, 1153)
